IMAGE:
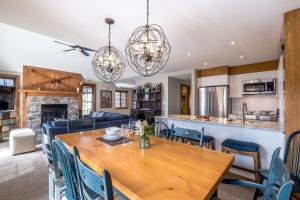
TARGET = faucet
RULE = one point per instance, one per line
(244, 113)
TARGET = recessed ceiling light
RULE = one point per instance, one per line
(189, 54)
(241, 57)
(232, 43)
(205, 64)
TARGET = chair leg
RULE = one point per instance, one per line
(213, 145)
(223, 149)
(215, 195)
(51, 186)
(258, 191)
(57, 188)
(256, 165)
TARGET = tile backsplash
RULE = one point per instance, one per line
(256, 103)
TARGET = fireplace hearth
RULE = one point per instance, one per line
(51, 111)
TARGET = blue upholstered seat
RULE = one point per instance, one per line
(240, 145)
(191, 134)
(207, 138)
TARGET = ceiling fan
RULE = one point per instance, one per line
(83, 50)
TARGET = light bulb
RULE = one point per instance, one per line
(110, 58)
(159, 43)
(151, 49)
(136, 47)
(101, 59)
(145, 39)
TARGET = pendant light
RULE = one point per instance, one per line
(148, 49)
(108, 62)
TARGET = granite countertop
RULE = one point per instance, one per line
(253, 124)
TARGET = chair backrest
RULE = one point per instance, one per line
(162, 130)
(90, 184)
(279, 176)
(83, 124)
(67, 165)
(292, 154)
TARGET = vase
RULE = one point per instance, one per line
(144, 142)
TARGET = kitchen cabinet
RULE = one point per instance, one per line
(236, 81)
(213, 80)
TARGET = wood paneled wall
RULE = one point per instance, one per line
(241, 69)
(35, 78)
(292, 70)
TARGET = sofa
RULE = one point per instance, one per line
(96, 120)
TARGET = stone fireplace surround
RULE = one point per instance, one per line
(34, 109)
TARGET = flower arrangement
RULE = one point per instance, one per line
(145, 130)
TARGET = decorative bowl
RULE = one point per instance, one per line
(112, 131)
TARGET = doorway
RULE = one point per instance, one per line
(185, 99)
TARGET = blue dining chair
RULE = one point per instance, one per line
(279, 184)
(56, 186)
(162, 130)
(67, 165)
(292, 151)
(91, 185)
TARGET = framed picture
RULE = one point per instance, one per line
(105, 99)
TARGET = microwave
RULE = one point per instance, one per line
(266, 86)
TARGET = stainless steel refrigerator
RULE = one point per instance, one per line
(214, 101)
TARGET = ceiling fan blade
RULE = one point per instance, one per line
(64, 44)
(84, 52)
(87, 49)
(68, 50)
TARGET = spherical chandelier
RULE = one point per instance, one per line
(148, 49)
(108, 62)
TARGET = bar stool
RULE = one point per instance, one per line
(243, 148)
(194, 136)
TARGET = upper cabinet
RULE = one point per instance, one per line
(213, 80)
(236, 81)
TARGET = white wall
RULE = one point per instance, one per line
(104, 86)
(255, 103)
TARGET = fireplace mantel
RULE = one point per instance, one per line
(48, 93)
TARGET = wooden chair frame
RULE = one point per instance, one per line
(255, 155)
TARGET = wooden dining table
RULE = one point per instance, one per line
(167, 170)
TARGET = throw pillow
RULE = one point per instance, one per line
(97, 114)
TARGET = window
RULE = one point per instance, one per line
(121, 99)
(7, 82)
(87, 99)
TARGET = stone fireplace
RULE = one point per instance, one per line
(36, 106)
(51, 111)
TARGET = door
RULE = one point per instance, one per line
(185, 99)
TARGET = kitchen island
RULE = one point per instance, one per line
(268, 135)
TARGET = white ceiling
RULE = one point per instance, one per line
(203, 28)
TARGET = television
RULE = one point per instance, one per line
(7, 98)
